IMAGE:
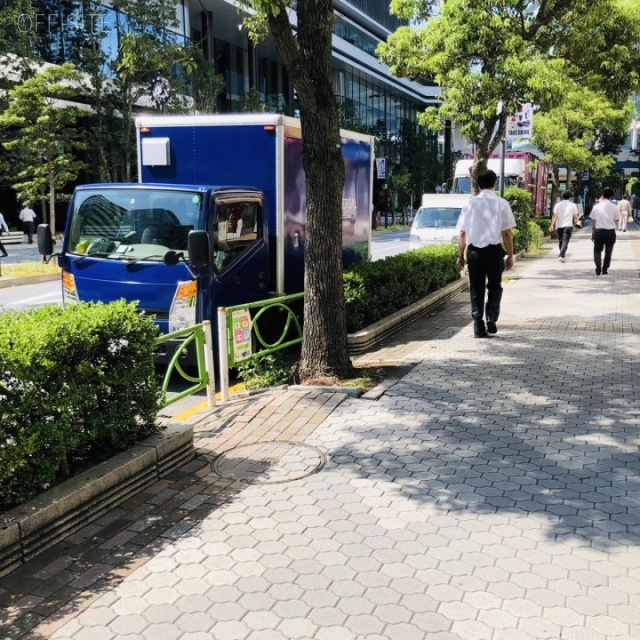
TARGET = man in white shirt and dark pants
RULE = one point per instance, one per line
(484, 225)
(565, 217)
(604, 220)
(28, 217)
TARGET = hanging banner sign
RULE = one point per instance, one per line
(381, 166)
(520, 125)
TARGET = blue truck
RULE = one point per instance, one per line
(217, 218)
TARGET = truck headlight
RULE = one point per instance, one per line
(69, 291)
(183, 308)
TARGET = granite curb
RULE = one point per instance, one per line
(361, 340)
(52, 516)
(5, 283)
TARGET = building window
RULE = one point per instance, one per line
(354, 35)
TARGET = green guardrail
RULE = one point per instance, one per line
(191, 336)
(270, 304)
(290, 324)
(198, 337)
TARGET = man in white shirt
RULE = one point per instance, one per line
(28, 217)
(484, 224)
(565, 217)
(3, 227)
(604, 218)
(625, 214)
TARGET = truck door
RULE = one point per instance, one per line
(240, 258)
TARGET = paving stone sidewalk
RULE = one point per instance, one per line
(491, 491)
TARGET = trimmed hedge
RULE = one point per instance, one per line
(71, 391)
(544, 224)
(374, 290)
(521, 202)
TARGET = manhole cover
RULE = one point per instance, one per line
(269, 462)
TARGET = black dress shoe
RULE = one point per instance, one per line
(491, 326)
(482, 335)
(604, 272)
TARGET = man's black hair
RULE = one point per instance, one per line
(607, 193)
(567, 195)
(487, 179)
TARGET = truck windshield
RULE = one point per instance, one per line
(132, 223)
(462, 185)
(437, 217)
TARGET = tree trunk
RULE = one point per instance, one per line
(486, 145)
(308, 59)
(325, 347)
(126, 122)
(52, 202)
(479, 165)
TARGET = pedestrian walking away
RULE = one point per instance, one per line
(485, 223)
(604, 219)
(565, 217)
(626, 213)
(28, 217)
(3, 227)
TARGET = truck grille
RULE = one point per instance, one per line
(157, 314)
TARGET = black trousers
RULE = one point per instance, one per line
(564, 235)
(2, 249)
(485, 278)
(603, 239)
(28, 229)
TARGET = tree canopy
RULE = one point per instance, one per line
(581, 131)
(488, 52)
(42, 114)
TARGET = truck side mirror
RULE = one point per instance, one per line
(199, 250)
(45, 241)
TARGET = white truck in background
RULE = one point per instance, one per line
(521, 169)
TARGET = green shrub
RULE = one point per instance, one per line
(535, 234)
(544, 224)
(521, 202)
(264, 370)
(374, 290)
(72, 380)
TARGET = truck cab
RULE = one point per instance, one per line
(131, 241)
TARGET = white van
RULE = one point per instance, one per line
(436, 219)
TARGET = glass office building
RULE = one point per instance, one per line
(367, 93)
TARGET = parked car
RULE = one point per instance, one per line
(435, 221)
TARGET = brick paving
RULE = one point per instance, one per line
(489, 490)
